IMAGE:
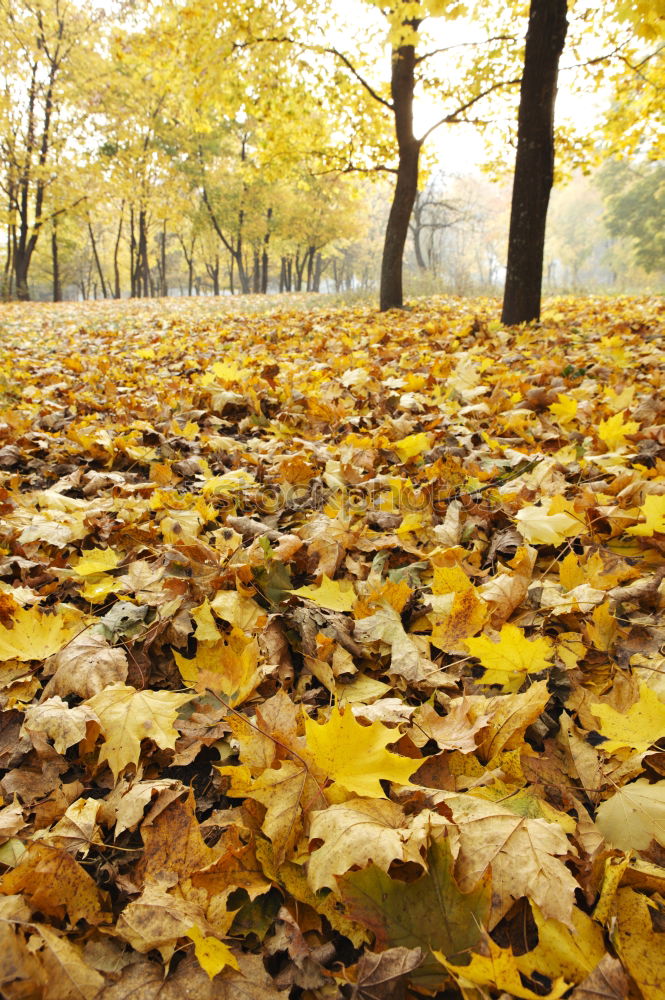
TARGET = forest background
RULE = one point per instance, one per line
(164, 148)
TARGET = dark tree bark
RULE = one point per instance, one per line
(95, 254)
(132, 255)
(213, 273)
(55, 262)
(264, 254)
(116, 249)
(402, 84)
(534, 163)
(163, 282)
(143, 267)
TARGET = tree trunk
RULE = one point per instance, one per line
(256, 272)
(402, 85)
(95, 255)
(164, 289)
(142, 264)
(264, 255)
(116, 248)
(417, 227)
(310, 268)
(534, 162)
(21, 265)
(55, 261)
(133, 268)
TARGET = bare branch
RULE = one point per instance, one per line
(463, 45)
(455, 117)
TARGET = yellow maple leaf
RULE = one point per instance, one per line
(508, 660)
(637, 729)
(211, 953)
(35, 635)
(653, 511)
(95, 561)
(565, 409)
(499, 969)
(337, 595)
(229, 666)
(97, 588)
(206, 629)
(613, 431)
(639, 941)
(466, 615)
(126, 716)
(355, 756)
(540, 527)
(410, 446)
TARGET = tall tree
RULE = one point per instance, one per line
(534, 162)
(48, 60)
(469, 81)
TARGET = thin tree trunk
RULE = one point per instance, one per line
(402, 84)
(55, 261)
(132, 255)
(116, 249)
(8, 271)
(143, 266)
(264, 255)
(95, 255)
(164, 289)
(256, 272)
(534, 163)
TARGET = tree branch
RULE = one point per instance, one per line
(454, 116)
(463, 45)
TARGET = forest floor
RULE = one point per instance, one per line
(331, 651)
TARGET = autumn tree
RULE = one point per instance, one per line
(413, 66)
(534, 163)
(49, 61)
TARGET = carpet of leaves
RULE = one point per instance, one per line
(331, 652)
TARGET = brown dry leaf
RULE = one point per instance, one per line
(173, 845)
(510, 715)
(125, 805)
(64, 725)
(55, 884)
(384, 976)
(66, 973)
(86, 666)
(526, 856)
(158, 920)
(356, 833)
(608, 981)
(78, 830)
(506, 591)
(452, 731)
(285, 791)
(11, 821)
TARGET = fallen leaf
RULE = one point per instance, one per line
(508, 660)
(55, 884)
(634, 816)
(211, 954)
(126, 716)
(64, 725)
(355, 834)
(35, 635)
(355, 756)
(337, 595)
(637, 729)
(432, 912)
